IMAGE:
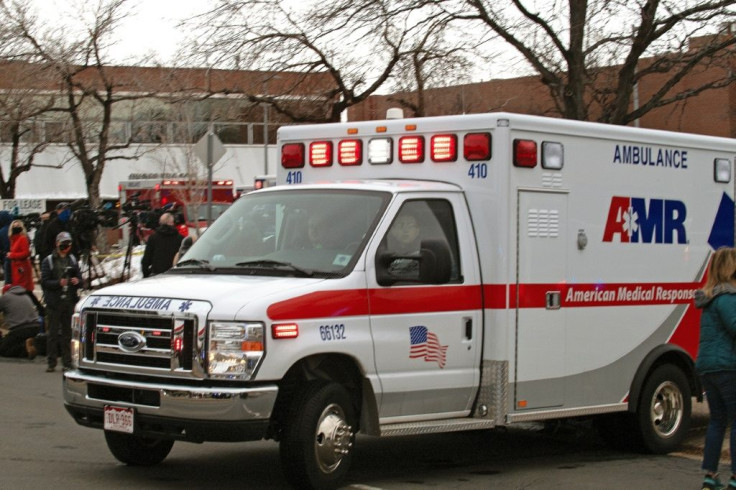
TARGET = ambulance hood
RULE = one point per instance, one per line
(227, 294)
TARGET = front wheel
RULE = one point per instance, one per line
(317, 443)
(137, 451)
(664, 410)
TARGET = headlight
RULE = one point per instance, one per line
(76, 336)
(235, 349)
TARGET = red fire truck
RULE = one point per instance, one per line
(185, 198)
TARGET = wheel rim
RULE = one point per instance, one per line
(666, 409)
(333, 438)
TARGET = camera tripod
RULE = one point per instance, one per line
(133, 240)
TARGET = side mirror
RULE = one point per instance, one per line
(432, 265)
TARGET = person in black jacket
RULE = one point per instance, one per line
(60, 279)
(161, 247)
(56, 225)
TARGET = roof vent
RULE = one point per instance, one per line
(395, 113)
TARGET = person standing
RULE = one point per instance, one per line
(21, 269)
(57, 225)
(716, 361)
(5, 219)
(39, 239)
(161, 247)
(60, 279)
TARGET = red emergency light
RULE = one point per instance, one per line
(350, 152)
(320, 154)
(525, 153)
(411, 149)
(292, 155)
(284, 330)
(443, 148)
(477, 146)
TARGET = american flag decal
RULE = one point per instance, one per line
(425, 345)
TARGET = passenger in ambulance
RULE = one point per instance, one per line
(404, 235)
(316, 231)
(404, 240)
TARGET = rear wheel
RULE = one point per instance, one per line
(137, 451)
(317, 443)
(664, 410)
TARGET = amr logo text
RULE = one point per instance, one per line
(642, 220)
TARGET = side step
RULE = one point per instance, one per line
(435, 426)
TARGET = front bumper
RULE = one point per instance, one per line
(195, 414)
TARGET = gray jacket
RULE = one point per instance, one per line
(17, 307)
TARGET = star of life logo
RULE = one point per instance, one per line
(642, 220)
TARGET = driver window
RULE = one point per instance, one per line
(418, 220)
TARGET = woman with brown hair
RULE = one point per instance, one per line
(21, 270)
(716, 362)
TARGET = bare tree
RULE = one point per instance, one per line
(354, 44)
(438, 57)
(592, 54)
(22, 131)
(89, 86)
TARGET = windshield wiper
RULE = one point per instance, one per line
(203, 264)
(275, 264)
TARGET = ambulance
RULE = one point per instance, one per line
(414, 276)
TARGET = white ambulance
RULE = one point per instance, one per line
(421, 275)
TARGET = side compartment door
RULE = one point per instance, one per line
(542, 272)
(426, 337)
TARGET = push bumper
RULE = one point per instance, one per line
(195, 414)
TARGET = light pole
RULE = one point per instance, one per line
(265, 123)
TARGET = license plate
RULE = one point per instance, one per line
(118, 419)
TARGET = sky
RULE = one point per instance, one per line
(151, 27)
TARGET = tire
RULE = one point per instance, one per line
(317, 442)
(665, 406)
(136, 450)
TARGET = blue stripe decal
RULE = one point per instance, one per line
(721, 235)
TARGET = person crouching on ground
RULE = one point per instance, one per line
(60, 279)
(21, 319)
(21, 269)
(716, 361)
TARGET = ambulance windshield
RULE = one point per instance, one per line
(299, 233)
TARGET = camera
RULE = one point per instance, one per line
(68, 271)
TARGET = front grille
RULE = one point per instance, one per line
(139, 340)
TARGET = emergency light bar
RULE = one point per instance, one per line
(442, 148)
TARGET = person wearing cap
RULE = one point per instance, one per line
(21, 318)
(57, 225)
(60, 279)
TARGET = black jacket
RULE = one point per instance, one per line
(161, 248)
(52, 268)
(54, 227)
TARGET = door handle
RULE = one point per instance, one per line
(552, 300)
(468, 328)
